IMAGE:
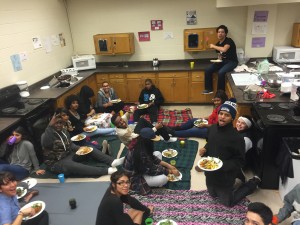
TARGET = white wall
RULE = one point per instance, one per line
(20, 21)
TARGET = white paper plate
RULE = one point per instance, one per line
(31, 182)
(216, 60)
(116, 100)
(23, 194)
(30, 205)
(142, 106)
(198, 122)
(78, 137)
(216, 160)
(293, 66)
(166, 151)
(161, 221)
(175, 178)
(91, 128)
(45, 87)
(81, 152)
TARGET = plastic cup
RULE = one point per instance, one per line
(173, 162)
(11, 140)
(182, 144)
(61, 178)
(149, 221)
(192, 64)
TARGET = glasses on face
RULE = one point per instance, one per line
(123, 183)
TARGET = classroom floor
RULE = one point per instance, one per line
(269, 197)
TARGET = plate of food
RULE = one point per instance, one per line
(116, 100)
(216, 60)
(90, 128)
(166, 222)
(293, 66)
(173, 178)
(169, 153)
(142, 106)
(39, 207)
(21, 192)
(84, 150)
(31, 182)
(210, 163)
(96, 116)
(78, 137)
(199, 122)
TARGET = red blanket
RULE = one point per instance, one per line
(172, 117)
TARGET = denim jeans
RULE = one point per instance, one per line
(17, 170)
(222, 68)
(189, 130)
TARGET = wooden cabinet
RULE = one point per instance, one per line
(113, 44)
(197, 87)
(100, 78)
(296, 35)
(174, 86)
(199, 39)
(118, 82)
(135, 83)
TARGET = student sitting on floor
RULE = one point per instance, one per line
(10, 213)
(126, 134)
(111, 208)
(60, 157)
(291, 207)
(258, 214)
(188, 129)
(144, 165)
(224, 142)
(19, 155)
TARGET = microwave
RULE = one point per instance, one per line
(84, 62)
(286, 54)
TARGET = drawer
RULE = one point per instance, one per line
(100, 78)
(117, 81)
(197, 76)
(116, 76)
(141, 76)
(172, 74)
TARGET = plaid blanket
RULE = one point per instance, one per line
(170, 117)
(184, 161)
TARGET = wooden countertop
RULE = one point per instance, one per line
(7, 123)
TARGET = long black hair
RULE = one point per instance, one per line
(25, 136)
(143, 146)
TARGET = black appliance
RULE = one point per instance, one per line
(34, 113)
(273, 121)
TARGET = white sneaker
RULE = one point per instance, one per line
(111, 170)
(118, 162)
(172, 139)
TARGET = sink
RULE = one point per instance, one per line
(74, 80)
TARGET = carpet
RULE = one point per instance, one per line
(193, 208)
(170, 117)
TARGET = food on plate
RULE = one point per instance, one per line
(169, 153)
(84, 150)
(97, 116)
(209, 163)
(142, 106)
(172, 177)
(116, 100)
(37, 207)
(90, 128)
(216, 60)
(20, 191)
(167, 222)
(79, 137)
(200, 122)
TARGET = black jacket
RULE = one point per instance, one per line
(145, 96)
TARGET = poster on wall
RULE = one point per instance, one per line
(260, 16)
(144, 36)
(156, 24)
(191, 17)
(16, 62)
(258, 42)
(259, 28)
(37, 42)
(62, 40)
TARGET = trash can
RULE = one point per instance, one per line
(290, 146)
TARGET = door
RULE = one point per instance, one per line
(210, 37)
(121, 44)
(166, 88)
(180, 89)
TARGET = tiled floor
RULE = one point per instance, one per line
(269, 197)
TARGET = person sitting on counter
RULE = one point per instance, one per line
(227, 57)
(107, 100)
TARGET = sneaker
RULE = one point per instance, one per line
(207, 92)
(172, 139)
(170, 130)
(197, 168)
(255, 180)
(104, 146)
